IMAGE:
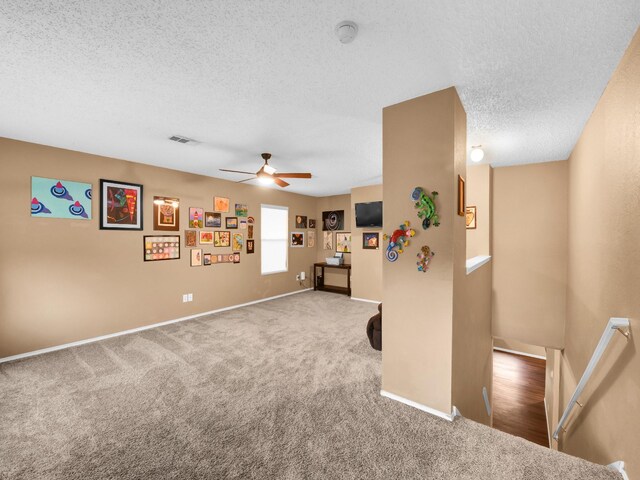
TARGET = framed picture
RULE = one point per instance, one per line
(297, 239)
(343, 242)
(166, 213)
(328, 240)
(196, 257)
(332, 221)
(470, 217)
(250, 231)
(237, 242)
(196, 217)
(221, 238)
(301, 221)
(461, 198)
(370, 240)
(161, 247)
(236, 257)
(190, 238)
(54, 198)
(241, 210)
(250, 246)
(206, 259)
(311, 238)
(243, 223)
(312, 223)
(231, 222)
(221, 204)
(251, 220)
(206, 238)
(212, 220)
(120, 205)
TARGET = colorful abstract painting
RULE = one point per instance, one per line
(238, 242)
(241, 210)
(120, 205)
(166, 213)
(221, 239)
(55, 198)
(343, 242)
(161, 247)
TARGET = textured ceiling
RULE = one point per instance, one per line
(117, 78)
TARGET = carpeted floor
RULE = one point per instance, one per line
(287, 389)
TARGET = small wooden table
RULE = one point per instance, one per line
(318, 281)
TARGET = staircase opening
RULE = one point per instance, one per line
(519, 372)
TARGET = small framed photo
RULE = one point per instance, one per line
(370, 240)
(243, 223)
(161, 247)
(311, 238)
(242, 210)
(250, 231)
(221, 238)
(221, 204)
(297, 239)
(343, 242)
(166, 213)
(470, 217)
(327, 240)
(120, 205)
(190, 238)
(250, 246)
(196, 257)
(206, 238)
(231, 222)
(196, 217)
(301, 221)
(206, 259)
(212, 220)
(237, 242)
(312, 223)
(251, 220)
(236, 257)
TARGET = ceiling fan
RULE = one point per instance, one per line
(267, 174)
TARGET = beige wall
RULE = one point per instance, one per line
(366, 276)
(419, 149)
(603, 278)
(67, 280)
(530, 212)
(323, 204)
(517, 346)
(479, 186)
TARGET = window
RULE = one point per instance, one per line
(274, 248)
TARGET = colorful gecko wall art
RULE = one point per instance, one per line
(426, 206)
(398, 239)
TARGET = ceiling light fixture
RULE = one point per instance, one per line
(477, 154)
(265, 179)
(346, 31)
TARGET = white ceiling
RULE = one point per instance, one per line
(117, 78)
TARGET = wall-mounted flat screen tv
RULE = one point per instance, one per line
(369, 214)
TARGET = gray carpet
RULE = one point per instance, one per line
(287, 389)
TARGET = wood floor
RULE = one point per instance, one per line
(518, 396)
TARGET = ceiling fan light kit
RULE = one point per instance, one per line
(267, 174)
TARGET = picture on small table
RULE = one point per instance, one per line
(297, 239)
(343, 242)
(231, 222)
(301, 221)
(370, 240)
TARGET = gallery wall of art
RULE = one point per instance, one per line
(68, 274)
(340, 205)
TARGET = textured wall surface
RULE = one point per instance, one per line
(66, 280)
(530, 253)
(603, 279)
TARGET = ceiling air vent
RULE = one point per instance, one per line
(185, 140)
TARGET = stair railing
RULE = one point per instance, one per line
(614, 324)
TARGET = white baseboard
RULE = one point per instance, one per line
(145, 327)
(506, 350)
(365, 300)
(619, 467)
(419, 406)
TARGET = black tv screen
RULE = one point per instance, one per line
(369, 214)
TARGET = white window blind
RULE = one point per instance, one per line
(274, 246)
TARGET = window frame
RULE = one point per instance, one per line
(286, 239)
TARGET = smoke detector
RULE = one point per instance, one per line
(346, 31)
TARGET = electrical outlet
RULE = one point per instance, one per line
(190, 297)
(185, 298)
(298, 277)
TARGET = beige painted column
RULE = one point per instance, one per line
(424, 144)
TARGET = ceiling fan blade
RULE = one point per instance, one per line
(280, 183)
(292, 175)
(246, 180)
(236, 171)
